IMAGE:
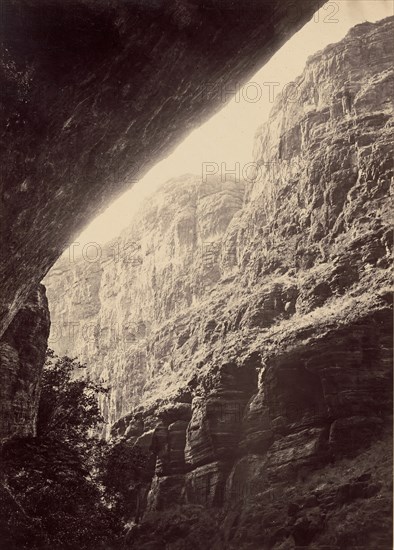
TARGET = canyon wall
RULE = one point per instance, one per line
(115, 306)
(246, 326)
(93, 93)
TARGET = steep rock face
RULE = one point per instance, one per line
(22, 356)
(268, 396)
(94, 93)
(112, 308)
(324, 162)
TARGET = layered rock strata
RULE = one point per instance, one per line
(112, 307)
(266, 396)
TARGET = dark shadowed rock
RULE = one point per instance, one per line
(22, 356)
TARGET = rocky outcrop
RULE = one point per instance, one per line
(266, 396)
(22, 356)
(95, 93)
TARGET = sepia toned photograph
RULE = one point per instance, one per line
(196, 274)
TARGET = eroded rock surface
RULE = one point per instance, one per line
(266, 394)
(118, 313)
(22, 356)
(93, 93)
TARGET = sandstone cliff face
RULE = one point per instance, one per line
(94, 93)
(117, 312)
(22, 356)
(266, 395)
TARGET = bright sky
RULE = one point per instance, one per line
(228, 136)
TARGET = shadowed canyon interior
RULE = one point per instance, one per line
(92, 95)
(244, 326)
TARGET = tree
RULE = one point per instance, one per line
(50, 494)
(128, 491)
